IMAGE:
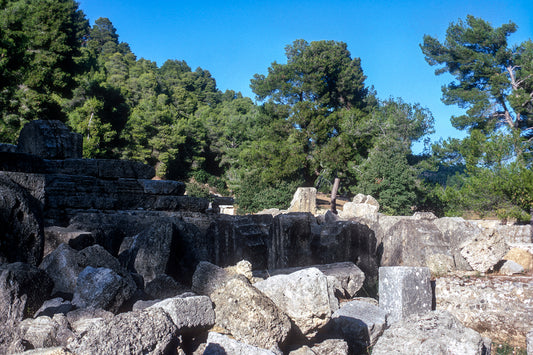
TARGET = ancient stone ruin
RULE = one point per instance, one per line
(96, 257)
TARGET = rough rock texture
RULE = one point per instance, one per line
(189, 313)
(12, 307)
(303, 296)
(29, 282)
(62, 266)
(359, 323)
(404, 291)
(102, 288)
(485, 250)
(521, 256)
(21, 225)
(219, 344)
(149, 331)
(164, 286)
(362, 206)
(49, 140)
(331, 346)
(498, 307)
(208, 278)
(510, 267)
(54, 306)
(437, 333)
(45, 332)
(304, 200)
(530, 343)
(82, 319)
(249, 315)
(76, 239)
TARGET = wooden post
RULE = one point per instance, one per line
(334, 190)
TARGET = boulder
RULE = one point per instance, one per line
(220, 344)
(49, 139)
(362, 206)
(150, 331)
(45, 332)
(21, 225)
(54, 306)
(404, 291)
(485, 250)
(359, 323)
(438, 333)
(208, 278)
(82, 319)
(304, 200)
(510, 267)
(189, 313)
(102, 288)
(521, 256)
(27, 283)
(331, 346)
(164, 286)
(76, 239)
(249, 315)
(303, 296)
(12, 305)
(62, 266)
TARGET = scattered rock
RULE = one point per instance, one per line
(362, 206)
(164, 286)
(249, 315)
(62, 266)
(404, 291)
(219, 344)
(304, 200)
(54, 306)
(520, 256)
(485, 250)
(331, 346)
(509, 267)
(438, 333)
(208, 277)
(45, 332)
(81, 320)
(139, 332)
(303, 296)
(76, 239)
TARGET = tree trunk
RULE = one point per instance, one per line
(334, 190)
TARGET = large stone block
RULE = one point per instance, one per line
(189, 313)
(304, 200)
(49, 140)
(404, 291)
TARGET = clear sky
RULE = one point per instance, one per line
(236, 39)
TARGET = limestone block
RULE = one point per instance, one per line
(404, 291)
(529, 341)
(304, 200)
(164, 286)
(76, 239)
(49, 139)
(219, 344)
(485, 250)
(510, 267)
(54, 306)
(62, 266)
(189, 313)
(521, 255)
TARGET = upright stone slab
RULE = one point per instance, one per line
(304, 200)
(404, 291)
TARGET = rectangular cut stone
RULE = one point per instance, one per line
(404, 291)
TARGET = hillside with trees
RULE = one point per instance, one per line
(313, 122)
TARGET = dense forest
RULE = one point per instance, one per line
(313, 122)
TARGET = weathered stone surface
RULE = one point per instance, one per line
(243, 267)
(521, 256)
(438, 333)
(359, 323)
(529, 343)
(219, 344)
(304, 200)
(208, 278)
(404, 291)
(49, 140)
(510, 267)
(45, 332)
(149, 331)
(54, 306)
(485, 250)
(362, 206)
(58, 350)
(499, 308)
(303, 296)
(21, 225)
(249, 315)
(100, 168)
(62, 266)
(9, 148)
(189, 313)
(76, 239)
(331, 346)
(29, 281)
(20, 162)
(101, 288)
(12, 305)
(82, 319)
(164, 286)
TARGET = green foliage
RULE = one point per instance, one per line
(253, 195)
(195, 189)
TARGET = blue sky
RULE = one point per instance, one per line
(236, 39)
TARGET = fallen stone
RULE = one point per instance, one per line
(404, 291)
(521, 256)
(303, 296)
(219, 344)
(509, 267)
(150, 331)
(12, 305)
(21, 225)
(45, 332)
(485, 250)
(164, 286)
(331, 346)
(76, 239)
(82, 319)
(437, 332)
(249, 315)
(62, 266)
(189, 313)
(49, 139)
(359, 323)
(529, 341)
(208, 277)
(54, 306)
(101, 288)
(243, 267)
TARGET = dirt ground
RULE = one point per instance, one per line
(322, 201)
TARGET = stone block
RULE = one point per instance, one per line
(304, 200)
(404, 291)
(50, 139)
(189, 313)
(220, 344)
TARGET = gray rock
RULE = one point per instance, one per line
(304, 200)
(249, 315)
(62, 266)
(208, 278)
(54, 306)
(331, 346)
(437, 332)
(164, 286)
(149, 331)
(303, 296)
(12, 305)
(76, 239)
(485, 250)
(49, 140)
(359, 323)
(21, 225)
(529, 343)
(219, 344)
(404, 291)
(45, 332)
(58, 350)
(101, 288)
(81, 320)
(189, 313)
(510, 267)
